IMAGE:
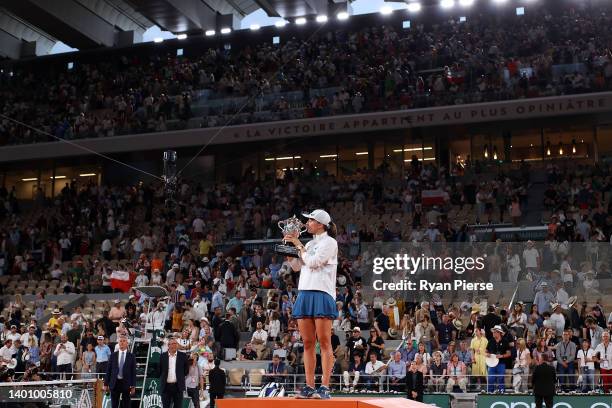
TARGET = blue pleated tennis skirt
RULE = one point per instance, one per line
(312, 304)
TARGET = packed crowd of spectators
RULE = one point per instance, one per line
(542, 53)
(119, 224)
(89, 232)
(208, 308)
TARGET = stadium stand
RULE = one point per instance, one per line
(70, 263)
(549, 52)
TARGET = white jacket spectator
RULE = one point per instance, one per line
(376, 370)
(141, 279)
(6, 353)
(557, 322)
(137, 245)
(273, 328)
(106, 245)
(56, 273)
(25, 338)
(156, 319)
(260, 335)
(198, 225)
(65, 353)
(200, 309)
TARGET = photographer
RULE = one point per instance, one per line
(32, 373)
(6, 375)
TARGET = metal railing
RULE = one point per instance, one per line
(365, 384)
(385, 383)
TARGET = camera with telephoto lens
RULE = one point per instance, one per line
(30, 374)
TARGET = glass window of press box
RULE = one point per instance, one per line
(36, 184)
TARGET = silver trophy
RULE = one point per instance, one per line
(290, 226)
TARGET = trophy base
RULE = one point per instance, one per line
(286, 250)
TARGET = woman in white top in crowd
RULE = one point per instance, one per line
(315, 306)
(422, 352)
(273, 327)
(156, 278)
(521, 367)
(513, 265)
(518, 320)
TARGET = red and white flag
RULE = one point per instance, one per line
(432, 197)
(120, 280)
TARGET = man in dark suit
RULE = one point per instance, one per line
(490, 320)
(414, 383)
(173, 370)
(120, 377)
(216, 378)
(544, 379)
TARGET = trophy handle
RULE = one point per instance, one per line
(281, 225)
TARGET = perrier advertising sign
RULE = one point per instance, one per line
(151, 397)
(560, 401)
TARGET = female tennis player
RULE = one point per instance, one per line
(315, 306)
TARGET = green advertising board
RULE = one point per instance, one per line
(152, 395)
(437, 400)
(151, 398)
(155, 347)
(560, 401)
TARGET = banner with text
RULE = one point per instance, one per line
(365, 122)
(524, 401)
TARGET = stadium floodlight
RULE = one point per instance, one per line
(414, 7)
(280, 23)
(255, 27)
(466, 3)
(447, 4)
(158, 40)
(342, 16)
(322, 18)
(499, 1)
(300, 21)
(226, 30)
(210, 33)
(87, 174)
(29, 179)
(181, 36)
(282, 158)
(386, 10)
